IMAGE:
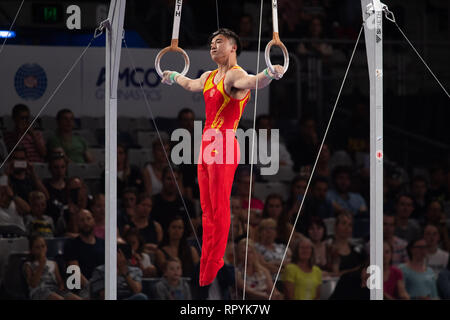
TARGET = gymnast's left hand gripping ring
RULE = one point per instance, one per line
(173, 47)
(276, 41)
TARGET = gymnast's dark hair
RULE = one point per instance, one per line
(229, 34)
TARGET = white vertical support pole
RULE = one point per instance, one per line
(113, 48)
(372, 12)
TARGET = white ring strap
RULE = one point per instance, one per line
(276, 41)
(174, 44)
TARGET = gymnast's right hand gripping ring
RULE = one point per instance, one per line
(173, 47)
(276, 41)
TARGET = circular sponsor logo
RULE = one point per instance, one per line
(30, 81)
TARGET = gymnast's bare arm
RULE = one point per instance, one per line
(194, 85)
(239, 79)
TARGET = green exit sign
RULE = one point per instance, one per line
(47, 13)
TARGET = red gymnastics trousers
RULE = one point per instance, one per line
(218, 159)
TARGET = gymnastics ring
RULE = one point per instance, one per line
(175, 48)
(276, 42)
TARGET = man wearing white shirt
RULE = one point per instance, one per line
(437, 258)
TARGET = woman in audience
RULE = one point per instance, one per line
(149, 229)
(420, 280)
(42, 275)
(153, 171)
(57, 185)
(394, 285)
(98, 211)
(174, 244)
(274, 208)
(139, 258)
(297, 191)
(126, 208)
(317, 232)
(271, 252)
(77, 196)
(437, 259)
(342, 256)
(258, 280)
(302, 278)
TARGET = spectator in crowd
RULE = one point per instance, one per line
(297, 191)
(22, 177)
(419, 192)
(302, 279)
(150, 230)
(174, 244)
(317, 232)
(38, 222)
(443, 282)
(33, 142)
(341, 197)
(437, 259)
(245, 31)
(271, 252)
(243, 189)
(75, 147)
(316, 205)
(393, 285)
(342, 256)
(237, 210)
(128, 175)
(255, 218)
(85, 251)
(153, 171)
(168, 202)
(139, 258)
(323, 168)
(437, 189)
(394, 185)
(420, 280)
(77, 196)
(353, 285)
(129, 278)
(435, 215)
(406, 228)
(172, 286)
(316, 47)
(42, 275)
(126, 208)
(265, 122)
(12, 210)
(399, 254)
(274, 208)
(98, 211)
(258, 281)
(57, 185)
(304, 146)
(186, 118)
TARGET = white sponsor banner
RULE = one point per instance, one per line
(29, 74)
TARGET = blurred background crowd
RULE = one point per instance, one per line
(52, 202)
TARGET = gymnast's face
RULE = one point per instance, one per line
(221, 47)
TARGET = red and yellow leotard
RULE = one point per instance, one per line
(215, 179)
